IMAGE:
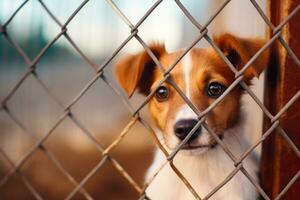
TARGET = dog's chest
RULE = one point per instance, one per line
(204, 174)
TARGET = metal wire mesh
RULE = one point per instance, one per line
(99, 74)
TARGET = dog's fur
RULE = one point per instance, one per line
(204, 164)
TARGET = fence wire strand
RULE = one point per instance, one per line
(32, 64)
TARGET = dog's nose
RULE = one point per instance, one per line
(183, 127)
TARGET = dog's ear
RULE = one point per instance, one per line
(136, 71)
(239, 51)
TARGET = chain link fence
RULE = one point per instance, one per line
(136, 118)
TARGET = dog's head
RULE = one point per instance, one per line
(203, 76)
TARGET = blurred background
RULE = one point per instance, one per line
(97, 30)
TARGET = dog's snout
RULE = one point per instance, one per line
(183, 127)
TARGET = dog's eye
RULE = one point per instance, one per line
(215, 89)
(162, 93)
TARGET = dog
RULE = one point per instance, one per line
(203, 76)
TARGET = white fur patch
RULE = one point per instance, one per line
(185, 112)
(186, 68)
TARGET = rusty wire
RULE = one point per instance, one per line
(136, 118)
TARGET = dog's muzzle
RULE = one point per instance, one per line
(183, 127)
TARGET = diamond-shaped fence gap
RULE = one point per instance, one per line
(252, 150)
(203, 16)
(227, 182)
(153, 173)
(256, 19)
(34, 169)
(61, 66)
(102, 112)
(108, 183)
(135, 10)
(15, 189)
(8, 52)
(45, 28)
(134, 151)
(62, 9)
(8, 8)
(70, 145)
(13, 141)
(145, 117)
(92, 32)
(254, 112)
(250, 190)
(168, 14)
(31, 105)
(12, 67)
(176, 176)
(226, 19)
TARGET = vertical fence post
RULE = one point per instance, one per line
(279, 162)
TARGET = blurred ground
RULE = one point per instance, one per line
(107, 183)
(101, 112)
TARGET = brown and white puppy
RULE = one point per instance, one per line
(203, 76)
